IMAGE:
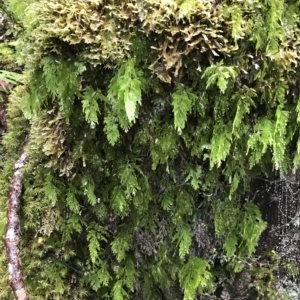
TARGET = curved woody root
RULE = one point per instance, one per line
(12, 237)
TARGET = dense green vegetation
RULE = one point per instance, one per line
(147, 122)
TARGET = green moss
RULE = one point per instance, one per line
(147, 122)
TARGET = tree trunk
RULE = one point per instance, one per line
(12, 237)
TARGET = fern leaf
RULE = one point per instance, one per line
(194, 276)
(125, 93)
(119, 203)
(230, 245)
(90, 104)
(101, 277)
(184, 241)
(118, 292)
(183, 100)
(121, 244)
(111, 129)
(220, 75)
(94, 246)
(220, 144)
(89, 190)
(195, 177)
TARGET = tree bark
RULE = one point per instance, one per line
(12, 237)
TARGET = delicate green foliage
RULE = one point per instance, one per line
(6, 54)
(50, 190)
(225, 216)
(95, 235)
(124, 96)
(296, 160)
(265, 278)
(128, 179)
(26, 105)
(132, 97)
(111, 129)
(74, 225)
(230, 245)
(10, 77)
(72, 202)
(183, 99)
(186, 8)
(165, 146)
(119, 203)
(220, 143)
(234, 182)
(8, 80)
(194, 276)
(275, 31)
(252, 227)
(261, 139)
(128, 274)
(240, 227)
(291, 269)
(237, 23)
(125, 278)
(167, 201)
(94, 246)
(101, 277)
(89, 190)
(2, 223)
(280, 139)
(121, 244)
(244, 98)
(219, 75)
(195, 177)
(90, 105)
(124, 93)
(184, 202)
(149, 122)
(118, 292)
(298, 110)
(184, 241)
(18, 8)
(61, 77)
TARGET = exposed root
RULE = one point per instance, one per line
(12, 237)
